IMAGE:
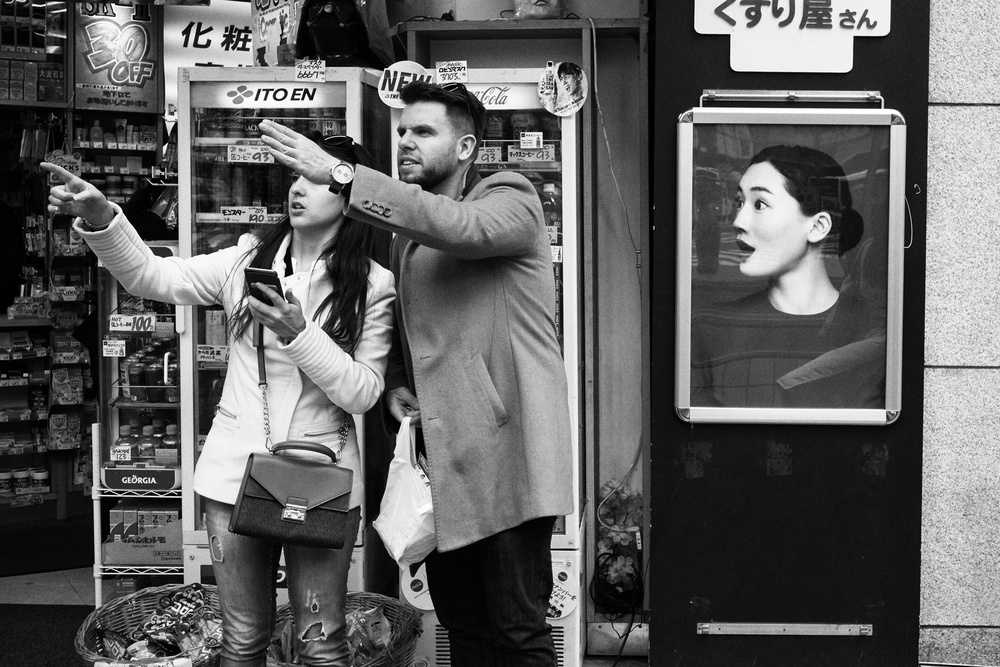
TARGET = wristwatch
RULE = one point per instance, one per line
(341, 176)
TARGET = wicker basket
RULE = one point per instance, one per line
(125, 614)
(403, 619)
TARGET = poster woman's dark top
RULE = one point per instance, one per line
(745, 353)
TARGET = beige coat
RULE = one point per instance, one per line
(475, 317)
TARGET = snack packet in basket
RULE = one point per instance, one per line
(368, 633)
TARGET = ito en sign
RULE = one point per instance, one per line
(792, 35)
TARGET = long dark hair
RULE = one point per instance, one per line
(347, 259)
(818, 183)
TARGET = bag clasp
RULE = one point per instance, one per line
(295, 510)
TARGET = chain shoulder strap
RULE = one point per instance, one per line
(342, 432)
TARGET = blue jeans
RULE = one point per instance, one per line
(492, 595)
(245, 569)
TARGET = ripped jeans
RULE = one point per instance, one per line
(245, 569)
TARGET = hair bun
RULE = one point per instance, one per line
(852, 228)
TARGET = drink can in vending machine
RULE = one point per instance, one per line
(172, 390)
(496, 125)
(154, 382)
(137, 379)
(123, 378)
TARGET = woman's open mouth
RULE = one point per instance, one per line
(744, 246)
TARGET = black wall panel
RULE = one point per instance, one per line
(784, 524)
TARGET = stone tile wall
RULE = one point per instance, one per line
(960, 554)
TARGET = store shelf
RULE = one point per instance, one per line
(109, 169)
(127, 148)
(27, 499)
(17, 323)
(220, 219)
(104, 570)
(227, 141)
(103, 492)
(16, 417)
(20, 355)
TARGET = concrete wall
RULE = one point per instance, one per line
(960, 554)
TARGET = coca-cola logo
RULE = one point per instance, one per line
(493, 96)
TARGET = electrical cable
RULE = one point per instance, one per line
(628, 226)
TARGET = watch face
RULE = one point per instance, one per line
(343, 173)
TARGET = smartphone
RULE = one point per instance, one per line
(265, 276)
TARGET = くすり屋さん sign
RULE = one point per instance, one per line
(792, 35)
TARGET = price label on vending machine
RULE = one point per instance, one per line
(246, 215)
(249, 154)
(544, 153)
(310, 70)
(452, 71)
(142, 323)
(489, 155)
(113, 347)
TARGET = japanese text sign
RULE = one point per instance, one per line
(196, 36)
(117, 66)
(792, 35)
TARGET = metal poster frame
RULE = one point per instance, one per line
(737, 360)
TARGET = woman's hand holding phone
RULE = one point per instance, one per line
(281, 313)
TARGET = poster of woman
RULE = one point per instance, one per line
(790, 255)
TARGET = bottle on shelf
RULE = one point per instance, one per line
(123, 451)
(147, 445)
(551, 204)
(96, 134)
(168, 453)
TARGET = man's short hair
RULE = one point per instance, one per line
(460, 103)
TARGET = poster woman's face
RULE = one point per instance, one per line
(770, 227)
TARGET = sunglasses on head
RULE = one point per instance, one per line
(338, 141)
(341, 146)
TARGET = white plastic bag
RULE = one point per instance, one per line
(406, 517)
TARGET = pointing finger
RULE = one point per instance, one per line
(58, 171)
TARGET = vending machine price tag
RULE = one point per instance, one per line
(310, 70)
(531, 140)
(143, 323)
(489, 155)
(556, 254)
(249, 154)
(544, 153)
(113, 348)
(121, 453)
(213, 353)
(452, 71)
(247, 215)
(27, 500)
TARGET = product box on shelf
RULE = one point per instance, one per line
(64, 431)
(144, 532)
(30, 308)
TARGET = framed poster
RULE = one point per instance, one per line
(790, 264)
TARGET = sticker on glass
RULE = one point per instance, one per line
(398, 75)
(563, 88)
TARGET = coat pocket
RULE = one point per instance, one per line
(325, 433)
(482, 374)
(226, 415)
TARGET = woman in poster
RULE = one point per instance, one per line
(802, 341)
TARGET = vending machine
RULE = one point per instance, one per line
(230, 185)
(521, 135)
